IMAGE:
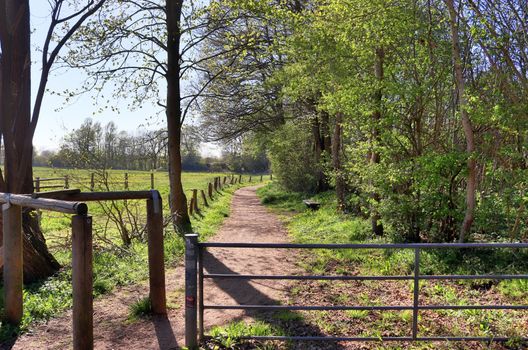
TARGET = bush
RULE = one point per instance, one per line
(291, 156)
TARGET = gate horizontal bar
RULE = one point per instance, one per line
(473, 277)
(364, 278)
(367, 308)
(363, 246)
(290, 277)
(374, 339)
(305, 308)
(473, 307)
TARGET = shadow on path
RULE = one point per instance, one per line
(164, 333)
(244, 293)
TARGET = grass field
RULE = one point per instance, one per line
(57, 226)
(114, 264)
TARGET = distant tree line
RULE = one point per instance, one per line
(96, 146)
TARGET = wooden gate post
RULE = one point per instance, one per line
(191, 290)
(155, 254)
(82, 278)
(13, 263)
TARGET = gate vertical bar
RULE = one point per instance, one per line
(416, 292)
(191, 264)
(82, 279)
(155, 253)
(200, 294)
(13, 263)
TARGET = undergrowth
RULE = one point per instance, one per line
(327, 226)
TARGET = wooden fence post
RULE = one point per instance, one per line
(191, 206)
(250, 178)
(13, 263)
(204, 198)
(66, 181)
(215, 184)
(191, 291)
(210, 191)
(240, 178)
(195, 197)
(152, 181)
(82, 278)
(225, 179)
(37, 184)
(155, 254)
(126, 181)
(271, 176)
(92, 182)
(260, 178)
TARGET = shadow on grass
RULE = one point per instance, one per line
(477, 261)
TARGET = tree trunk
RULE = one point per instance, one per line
(15, 119)
(336, 163)
(178, 201)
(319, 148)
(471, 186)
(377, 227)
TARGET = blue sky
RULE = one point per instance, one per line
(58, 118)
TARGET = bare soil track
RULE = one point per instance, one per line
(249, 221)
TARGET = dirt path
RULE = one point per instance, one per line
(249, 222)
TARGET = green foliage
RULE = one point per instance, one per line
(229, 336)
(290, 155)
(327, 226)
(140, 309)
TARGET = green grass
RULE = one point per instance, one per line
(327, 226)
(228, 337)
(140, 309)
(113, 265)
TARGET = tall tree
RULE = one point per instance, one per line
(471, 186)
(17, 121)
(165, 37)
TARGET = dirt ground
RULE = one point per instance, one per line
(249, 221)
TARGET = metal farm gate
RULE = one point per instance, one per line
(194, 290)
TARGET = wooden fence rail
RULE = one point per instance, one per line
(82, 253)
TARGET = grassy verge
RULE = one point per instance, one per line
(114, 266)
(327, 226)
